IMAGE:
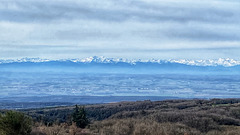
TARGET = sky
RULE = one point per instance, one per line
(133, 29)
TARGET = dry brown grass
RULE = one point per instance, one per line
(129, 127)
(62, 129)
(140, 127)
(226, 130)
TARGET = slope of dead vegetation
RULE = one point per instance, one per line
(170, 117)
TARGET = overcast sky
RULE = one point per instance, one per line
(160, 29)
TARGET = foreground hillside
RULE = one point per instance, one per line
(171, 117)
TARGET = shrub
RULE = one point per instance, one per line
(15, 123)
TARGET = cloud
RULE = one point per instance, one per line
(107, 25)
(45, 11)
(62, 52)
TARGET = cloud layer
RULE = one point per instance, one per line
(126, 28)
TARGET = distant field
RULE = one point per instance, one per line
(19, 84)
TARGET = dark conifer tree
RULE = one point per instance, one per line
(80, 117)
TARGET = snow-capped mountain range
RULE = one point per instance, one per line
(95, 59)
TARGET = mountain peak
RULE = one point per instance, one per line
(101, 59)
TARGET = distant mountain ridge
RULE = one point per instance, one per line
(123, 66)
(227, 62)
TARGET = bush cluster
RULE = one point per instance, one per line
(15, 123)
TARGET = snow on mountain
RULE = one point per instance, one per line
(218, 62)
(211, 62)
(25, 60)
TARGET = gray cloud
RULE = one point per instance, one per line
(42, 11)
(205, 35)
(60, 52)
(104, 26)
